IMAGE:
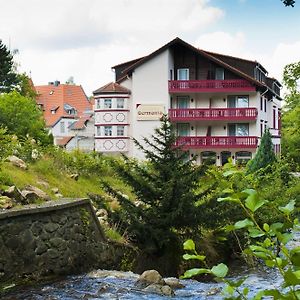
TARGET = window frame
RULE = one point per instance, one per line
(187, 70)
(105, 105)
(108, 131)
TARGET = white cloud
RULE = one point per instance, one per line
(222, 42)
(84, 38)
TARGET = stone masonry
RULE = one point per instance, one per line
(55, 238)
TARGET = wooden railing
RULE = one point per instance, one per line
(210, 85)
(211, 142)
(192, 114)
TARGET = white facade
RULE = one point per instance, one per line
(62, 128)
(111, 123)
(227, 119)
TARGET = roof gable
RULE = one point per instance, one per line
(206, 54)
(112, 88)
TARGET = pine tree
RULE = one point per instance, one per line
(164, 187)
(265, 155)
(8, 77)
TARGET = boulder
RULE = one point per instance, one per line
(43, 183)
(29, 196)
(102, 213)
(163, 290)
(58, 195)
(174, 283)
(41, 194)
(16, 161)
(74, 176)
(150, 277)
(55, 190)
(14, 193)
(5, 202)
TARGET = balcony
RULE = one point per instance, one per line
(215, 142)
(206, 114)
(210, 86)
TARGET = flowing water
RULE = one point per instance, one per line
(102, 284)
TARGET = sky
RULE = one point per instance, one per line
(84, 38)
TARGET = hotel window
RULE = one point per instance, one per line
(62, 127)
(107, 103)
(238, 101)
(183, 74)
(238, 130)
(261, 103)
(108, 130)
(265, 105)
(219, 74)
(183, 129)
(98, 103)
(120, 103)
(120, 130)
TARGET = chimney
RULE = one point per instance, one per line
(56, 83)
(50, 83)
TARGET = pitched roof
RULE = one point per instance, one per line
(57, 96)
(206, 54)
(64, 140)
(81, 123)
(112, 88)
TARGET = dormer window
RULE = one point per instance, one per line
(54, 109)
(70, 110)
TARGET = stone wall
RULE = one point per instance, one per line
(55, 238)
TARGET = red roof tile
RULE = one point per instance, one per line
(80, 124)
(63, 141)
(112, 88)
(51, 96)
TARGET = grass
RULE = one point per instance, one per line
(44, 175)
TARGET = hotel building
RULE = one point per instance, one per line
(220, 105)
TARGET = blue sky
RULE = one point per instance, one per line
(84, 38)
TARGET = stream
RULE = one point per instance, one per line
(102, 284)
(117, 285)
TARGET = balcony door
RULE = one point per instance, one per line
(183, 102)
(183, 129)
(237, 101)
(238, 130)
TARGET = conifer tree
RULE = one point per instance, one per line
(8, 77)
(164, 187)
(265, 155)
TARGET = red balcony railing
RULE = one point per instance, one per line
(212, 142)
(206, 86)
(193, 114)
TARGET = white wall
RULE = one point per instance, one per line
(109, 145)
(149, 87)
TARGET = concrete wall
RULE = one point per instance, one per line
(56, 238)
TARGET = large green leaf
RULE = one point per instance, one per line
(220, 270)
(194, 272)
(295, 258)
(253, 202)
(254, 232)
(242, 224)
(288, 208)
(192, 256)
(189, 245)
(291, 278)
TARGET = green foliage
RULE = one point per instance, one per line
(164, 188)
(8, 77)
(290, 117)
(21, 116)
(268, 243)
(265, 155)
